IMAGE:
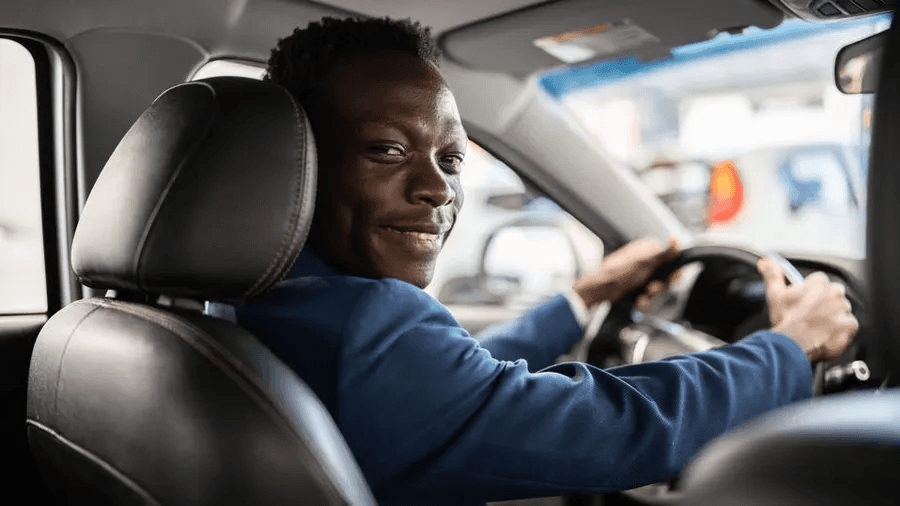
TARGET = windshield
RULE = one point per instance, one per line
(745, 135)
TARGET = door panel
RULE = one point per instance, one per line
(17, 336)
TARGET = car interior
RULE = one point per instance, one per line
(160, 188)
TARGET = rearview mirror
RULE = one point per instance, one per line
(856, 66)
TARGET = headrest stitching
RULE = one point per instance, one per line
(151, 220)
(297, 232)
(75, 329)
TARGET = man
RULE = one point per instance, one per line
(432, 416)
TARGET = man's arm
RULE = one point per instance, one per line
(538, 336)
(427, 411)
(541, 335)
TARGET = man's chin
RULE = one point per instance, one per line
(420, 279)
(418, 275)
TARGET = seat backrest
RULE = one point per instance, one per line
(139, 398)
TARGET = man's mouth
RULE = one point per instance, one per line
(425, 235)
(422, 236)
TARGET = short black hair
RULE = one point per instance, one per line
(302, 61)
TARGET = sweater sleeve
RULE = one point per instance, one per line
(538, 336)
(429, 413)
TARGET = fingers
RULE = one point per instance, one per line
(815, 290)
(842, 339)
(671, 250)
(773, 276)
(817, 277)
(838, 294)
(676, 276)
(839, 288)
(851, 321)
(841, 305)
(642, 302)
(655, 288)
(817, 314)
(647, 246)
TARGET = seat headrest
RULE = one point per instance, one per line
(209, 195)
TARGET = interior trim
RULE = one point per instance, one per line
(533, 175)
(56, 107)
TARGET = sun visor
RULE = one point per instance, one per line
(577, 31)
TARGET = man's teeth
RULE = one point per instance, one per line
(421, 236)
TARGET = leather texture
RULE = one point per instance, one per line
(840, 449)
(131, 404)
(209, 195)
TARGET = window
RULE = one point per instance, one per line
(511, 247)
(745, 135)
(22, 277)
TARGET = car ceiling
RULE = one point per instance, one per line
(245, 28)
(440, 15)
(126, 52)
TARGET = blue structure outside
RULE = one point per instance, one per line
(561, 82)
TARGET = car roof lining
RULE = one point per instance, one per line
(513, 50)
(166, 41)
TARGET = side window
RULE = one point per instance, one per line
(22, 278)
(510, 249)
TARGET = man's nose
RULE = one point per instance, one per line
(428, 183)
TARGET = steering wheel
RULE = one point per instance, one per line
(607, 342)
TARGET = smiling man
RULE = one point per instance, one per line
(432, 415)
(391, 159)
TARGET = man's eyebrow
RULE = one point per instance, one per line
(459, 129)
(368, 123)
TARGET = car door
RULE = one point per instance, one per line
(34, 232)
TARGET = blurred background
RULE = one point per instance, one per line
(22, 286)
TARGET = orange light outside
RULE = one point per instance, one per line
(726, 194)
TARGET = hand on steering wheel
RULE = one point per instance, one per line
(626, 270)
(817, 317)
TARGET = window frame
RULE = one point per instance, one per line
(59, 174)
(536, 178)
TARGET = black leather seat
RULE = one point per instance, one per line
(139, 398)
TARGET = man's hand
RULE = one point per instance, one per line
(816, 314)
(627, 269)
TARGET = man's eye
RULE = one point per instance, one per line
(388, 153)
(452, 163)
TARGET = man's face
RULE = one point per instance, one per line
(391, 146)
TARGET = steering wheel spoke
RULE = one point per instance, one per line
(681, 339)
(609, 346)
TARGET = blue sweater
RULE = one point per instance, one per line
(434, 416)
